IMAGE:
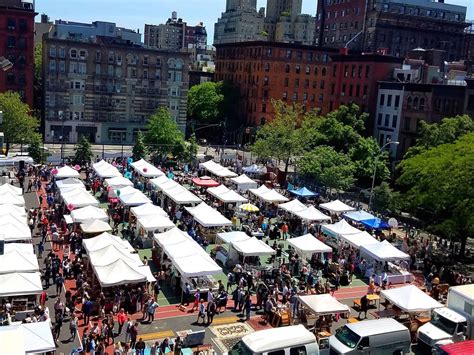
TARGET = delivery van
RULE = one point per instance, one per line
(293, 340)
(381, 336)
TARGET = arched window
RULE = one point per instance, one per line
(287, 68)
(415, 103)
(179, 64)
(422, 103)
(171, 63)
(409, 102)
(267, 67)
(315, 70)
(73, 53)
(323, 71)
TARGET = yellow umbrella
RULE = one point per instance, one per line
(248, 207)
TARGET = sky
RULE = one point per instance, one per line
(134, 14)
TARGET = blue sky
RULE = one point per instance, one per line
(135, 13)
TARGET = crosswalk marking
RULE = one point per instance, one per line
(157, 335)
(225, 320)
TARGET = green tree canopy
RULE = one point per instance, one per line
(190, 150)
(139, 149)
(385, 199)
(328, 167)
(163, 135)
(18, 125)
(205, 101)
(83, 153)
(35, 150)
(438, 187)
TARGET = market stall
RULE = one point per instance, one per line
(357, 240)
(147, 225)
(11, 198)
(95, 226)
(111, 253)
(105, 239)
(267, 195)
(130, 196)
(307, 245)
(17, 211)
(410, 299)
(147, 209)
(221, 252)
(254, 169)
(119, 272)
(217, 169)
(336, 207)
(9, 188)
(79, 198)
(382, 253)
(27, 338)
(293, 206)
(174, 191)
(312, 214)
(69, 183)
(17, 261)
(204, 181)
(248, 252)
(66, 172)
(21, 284)
(145, 169)
(105, 170)
(83, 214)
(244, 183)
(14, 229)
(207, 216)
(339, 228)
(225, 195)
(304, 193)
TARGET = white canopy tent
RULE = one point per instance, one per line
(293, 206)
(20, 284)
(218, 169)
(69, 182)
(359, 239)
(67, 172)
(173, 236)
(244, 183)
(267, 195)
(148, 209)
(230, 237)
(17, 211)
(410, 299)
(95, 226)
(112, 253)
(8, 188)
(105, 239)
(358, 216)
(10, 198)
(79, 198)
(323, 304)
(207, 216)
(16, 261)
(255, 169)
(119, 272)
(156, 222)
(252, 247)
(307, 245)
(146, 169)
(340, 228)
(197, 265)
(130, 196)
(87, 213)
(27, 338)
(226, 195)
(13, 230)
(312, 214)
(383, 251)
(105, 170)
(179, 194)
(336, 206)
(23, 248)
(118, 182)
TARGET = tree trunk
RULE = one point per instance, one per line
(287, 163)
(7, 148)
(462, 250)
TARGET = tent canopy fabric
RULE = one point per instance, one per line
(146, 169)
(11, 198)
(69, 182)
(130, 196)
(205, 181)
(95, 226)
(105, 239)
(359, 239)
(67, 172)
(13, 210)
(252, 247)
(293, 206)
(87, 213)
(226, 195)
(267, 195)
(112, 253)
(197, 265)
(340, 228)
(304, 192)
(117, 273)
(12, 229)
(148, 209)
(151, 223)
(218, 169)
(254, 169)
(323, 304)
(207, 216)
(179, 194)
(358, 216)
(244, 183)
(230, 237)
(410, 299)
(23, 248)
(312, 214)
(375, 223)
(29, 338)
(105, 170)
(383, 251)
(79, 198)
(336, 206)
(173, 236)
(118, 181)
(20, 284)
(8, 188)
(16, 261)
(308, 244)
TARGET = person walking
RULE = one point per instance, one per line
(128, 329)
(87, 310)
(197, 296)
(59, 285)
(133, 335)
(121, 319)
(247, 306)
(140, 347)
(73, 324)
(211, 310)
(151, 310)
(202, 312)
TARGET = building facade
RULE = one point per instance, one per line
(106, 88)
(17, 43)
(169, 36)
(317, 78)
(393, 26)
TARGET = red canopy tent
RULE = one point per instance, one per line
(205, 181)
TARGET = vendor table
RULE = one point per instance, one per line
(398, 277)
(204, 283)
(373, 299)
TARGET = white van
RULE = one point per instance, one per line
(293, 340)
(381, 336)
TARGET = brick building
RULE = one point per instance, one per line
(315, 77)
(17, 45)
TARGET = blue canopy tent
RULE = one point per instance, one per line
(359, 216)
(304, 192)
(375, 223)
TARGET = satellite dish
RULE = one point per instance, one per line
(392, 222)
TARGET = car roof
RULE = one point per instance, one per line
(277, 338)
(376, 326)
(450, 314)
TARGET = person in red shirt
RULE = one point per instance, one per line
(121, 319)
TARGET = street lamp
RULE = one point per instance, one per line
(375, 169)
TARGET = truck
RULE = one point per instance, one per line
(453, 323)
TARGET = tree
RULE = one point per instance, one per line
(163, 135)
(83, 153)
(365, 153)
(385, 199)
(438, 188)
(205, 101)
(38, 80)
(35, 150)
(139, 149)
(190, 149)
(328, 167)
(278, 139)
(18, 125)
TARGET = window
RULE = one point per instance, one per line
(346, 71)
(287, 68)
(387, 120)
(52, 66)
(97, 55)
(295, 96)
(379, 119)
(11, 42)
(415, 103)
(62, 52)
(145, 74)
(422, 104)
(111, 57)
(406, 124)
(82, 68)
(306, 83)
(10, 78)
(409, 102)
(62, 67)
(82, 54)
(52, 51)
(308, 70)
(11, 23)
(397, 101)
(73, 53)
(315, 70)
(267, 67)
(145, 60)
(321, 84)
(285, 95)
(97, 69)
(286, 82)
(394, 121)
(265, 80)
(323, 71)
(288, 54)
(297, 83)
(297, 69)
(382, 100)
(300, 350)
(367, 71)
(277, 352)
(118, 72)
(389, 100)
(110, 70)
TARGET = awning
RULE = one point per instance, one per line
(312, 214)
(293, 206)
(323, 304)
(106, 239)
(410, 299)
(130, 196)
(244, 183)
(207, 216)
(88, 213)
(383, 251)
(205, 181)
(67, 172)
(267, 195)
(20, 284)
(95, 226)
(304, 192)
(156, 222)
(27, 338)
(217, 169)
(148, 209)
(308, 245)
(339, 228)
(336, 206)
(8, 188)
(375, 223)
(179, 194)
(226, 195)
(17, 261)
(146, 169)
(252, 247)
(230, 237)
(359, 239)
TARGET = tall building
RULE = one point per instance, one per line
(240, 23)
(315, 77)
(17, 45)
(106, 86)
(393, 26)
(275, 9)
(42, 27)
(195, 36)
